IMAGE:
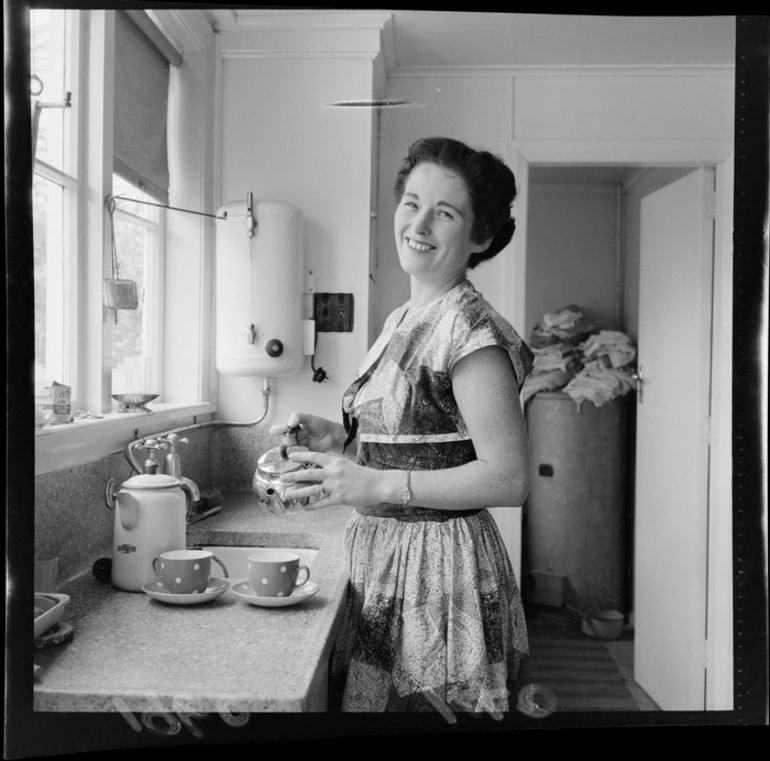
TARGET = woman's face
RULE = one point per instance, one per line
(433, 224)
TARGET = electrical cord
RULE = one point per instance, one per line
(319, 374)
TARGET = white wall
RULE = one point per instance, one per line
(190, 239)
(572, 252)
(279, 141)
(591, 257)
(630, 106)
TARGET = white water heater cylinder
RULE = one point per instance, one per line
(259, 281)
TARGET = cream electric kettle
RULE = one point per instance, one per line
(150, 518)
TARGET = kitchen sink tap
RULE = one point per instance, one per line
(173, 466)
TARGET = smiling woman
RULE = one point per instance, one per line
(434, 620)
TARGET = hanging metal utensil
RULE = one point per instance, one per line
(38, 106)
(117, 292)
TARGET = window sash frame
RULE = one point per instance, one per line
(153, 267)
(64, 280)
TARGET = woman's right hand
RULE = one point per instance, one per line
(316, 433)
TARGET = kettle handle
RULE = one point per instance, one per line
(189, 498)
(109, 493)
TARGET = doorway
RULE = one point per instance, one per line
(611, 294)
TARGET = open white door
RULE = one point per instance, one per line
(672, 445)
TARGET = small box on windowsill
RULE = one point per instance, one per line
(62, 406)
(55, 397)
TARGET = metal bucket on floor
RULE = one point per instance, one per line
(606, 624)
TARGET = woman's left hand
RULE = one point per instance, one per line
(335, 481)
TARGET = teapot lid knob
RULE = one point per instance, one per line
(290, 439)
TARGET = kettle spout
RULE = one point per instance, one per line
(274, 498)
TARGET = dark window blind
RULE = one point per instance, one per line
(141, 108)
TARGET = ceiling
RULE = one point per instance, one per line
(452, 38)
(484, 38)
(492, 39)
(461, 38)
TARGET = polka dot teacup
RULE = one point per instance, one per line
(185, 571)
(274, 573)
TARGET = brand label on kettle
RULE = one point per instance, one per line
(126, 548)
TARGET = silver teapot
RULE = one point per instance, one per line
(268, 484)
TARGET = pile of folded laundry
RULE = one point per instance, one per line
(576, 357)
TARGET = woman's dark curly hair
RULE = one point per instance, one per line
(490, 182)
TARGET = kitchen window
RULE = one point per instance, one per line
(132, 349)
(100, 175)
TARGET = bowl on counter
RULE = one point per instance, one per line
(49, 608)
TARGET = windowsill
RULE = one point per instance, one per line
(83, 441)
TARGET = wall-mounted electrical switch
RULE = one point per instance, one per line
(333, 312)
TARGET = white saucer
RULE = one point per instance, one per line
(245, 592)
(159, 591)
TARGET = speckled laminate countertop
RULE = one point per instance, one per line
(131, 652)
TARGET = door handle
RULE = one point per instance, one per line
(638, 376)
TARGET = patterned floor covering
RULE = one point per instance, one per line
(582, 672)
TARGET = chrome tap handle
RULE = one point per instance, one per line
(151, 465)
(173, 440)
(173, 464)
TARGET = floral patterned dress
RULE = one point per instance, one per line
(434, 610)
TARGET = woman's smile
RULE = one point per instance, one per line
(416, 245)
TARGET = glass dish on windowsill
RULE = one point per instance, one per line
(133, 402)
